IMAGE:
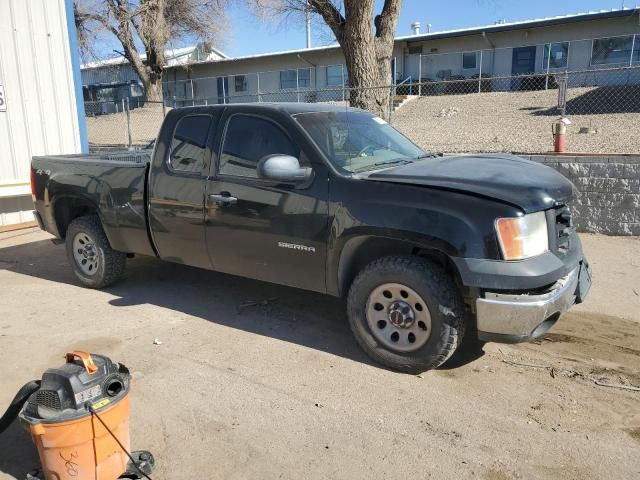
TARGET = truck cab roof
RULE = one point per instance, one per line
(289, 108)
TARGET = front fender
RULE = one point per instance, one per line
(409, 218)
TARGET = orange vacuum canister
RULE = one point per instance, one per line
(79, 421)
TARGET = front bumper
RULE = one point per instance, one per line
(512, 318)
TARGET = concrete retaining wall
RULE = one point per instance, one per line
(609, 186)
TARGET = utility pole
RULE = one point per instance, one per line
(308, 22)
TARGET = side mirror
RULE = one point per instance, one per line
(284, 168)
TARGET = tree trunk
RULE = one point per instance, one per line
(367, 55)
(152, 88)
(369, 78)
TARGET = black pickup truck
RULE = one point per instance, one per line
(334, 200)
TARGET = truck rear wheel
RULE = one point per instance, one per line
(93, 260)
(406, 313)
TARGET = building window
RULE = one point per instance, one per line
(240, 83)
(608, 51)
(559, 55)
(247, 140)
(304, 78)
(288, 79)
(469, 60)
(335, 76)
(189, 144)
(636, 50)
(300, 78)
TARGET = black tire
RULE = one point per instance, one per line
(110, 263)
(438, 291)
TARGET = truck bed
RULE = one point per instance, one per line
(113, 182)
(121, 158)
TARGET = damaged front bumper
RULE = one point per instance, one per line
(512, 318)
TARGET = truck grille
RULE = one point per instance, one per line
(49, 399)
(563, 228)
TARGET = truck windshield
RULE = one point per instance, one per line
(356, 141)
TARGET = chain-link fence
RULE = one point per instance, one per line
(128, 123)
(515, 113)
(512, 113)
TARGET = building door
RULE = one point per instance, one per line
(523, 63)
(223, 89)
(524, 60)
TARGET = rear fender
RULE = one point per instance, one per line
(66, 208)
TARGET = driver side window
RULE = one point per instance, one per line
(247, 140)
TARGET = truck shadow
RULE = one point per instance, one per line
(18, 455)
(309, 319)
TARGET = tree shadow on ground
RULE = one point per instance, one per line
(598, 101)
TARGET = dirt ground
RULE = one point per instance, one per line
(281, 390)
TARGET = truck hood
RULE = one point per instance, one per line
(528, 185)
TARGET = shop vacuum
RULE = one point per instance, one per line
(78, 417)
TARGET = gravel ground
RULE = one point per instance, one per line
(512, 122)
(281, 390)
(488, 122)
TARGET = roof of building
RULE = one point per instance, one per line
(184, 56)
(174, 56)
(540, 22)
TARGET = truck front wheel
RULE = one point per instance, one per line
(406, 313)
(93, 260)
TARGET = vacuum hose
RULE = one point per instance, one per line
(16, 404)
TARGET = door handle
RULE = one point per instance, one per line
(223, 199)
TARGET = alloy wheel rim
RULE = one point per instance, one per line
(85, 253)
(398, 317)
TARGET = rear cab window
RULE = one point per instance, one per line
(188, 151)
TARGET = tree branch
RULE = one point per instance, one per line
(330, 14)
(385, 23)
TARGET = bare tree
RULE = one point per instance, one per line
(366, 41)
(148, 26)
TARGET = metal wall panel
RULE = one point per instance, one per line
(37, 73)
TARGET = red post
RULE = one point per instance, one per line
(559, 130)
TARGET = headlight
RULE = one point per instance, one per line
(523, 237)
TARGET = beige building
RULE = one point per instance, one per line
(114, 79)
(592, 43)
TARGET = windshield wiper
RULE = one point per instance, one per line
(397, 161)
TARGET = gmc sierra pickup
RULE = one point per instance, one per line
(334, 200)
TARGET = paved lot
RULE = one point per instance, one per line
(281, 390)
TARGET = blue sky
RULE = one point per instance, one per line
(249, 36)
